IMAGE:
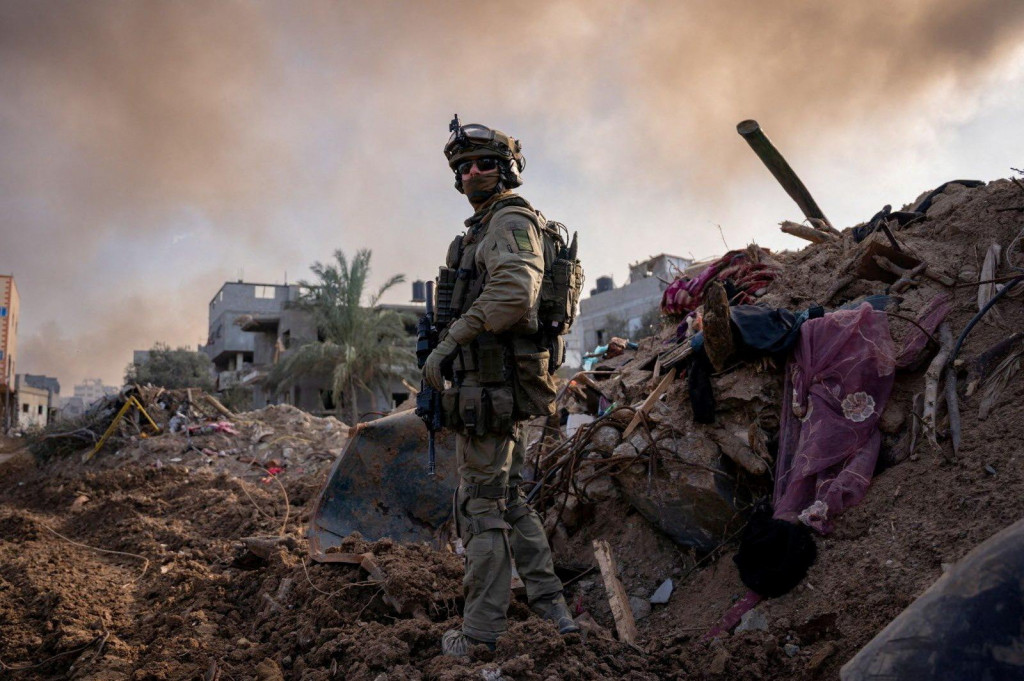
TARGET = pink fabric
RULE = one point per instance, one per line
(685, 295)
(734, 614)
(837, 383)
(913, 345)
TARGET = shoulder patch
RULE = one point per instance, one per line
(520, 232)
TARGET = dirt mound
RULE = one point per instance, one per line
(181, 556)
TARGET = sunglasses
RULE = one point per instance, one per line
(482, 164)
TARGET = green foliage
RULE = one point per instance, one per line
(360, 346)
(172, 369)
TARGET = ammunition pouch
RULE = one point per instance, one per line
(561, 286)
(478, 411)
(444, 313)
(486, 356)
(533, 387)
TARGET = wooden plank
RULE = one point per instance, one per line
(805, 232)
(625, 625)
(350, 558)
(649, 402)
(216, 404)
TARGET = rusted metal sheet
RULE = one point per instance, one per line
(379, 486)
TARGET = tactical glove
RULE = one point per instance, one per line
(432, 368)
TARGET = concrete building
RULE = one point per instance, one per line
(92, 389)
(71, 408)
(37, 399)
(613, 311)
(10, 305)
(252, 327)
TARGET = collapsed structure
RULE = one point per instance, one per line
(201, 567)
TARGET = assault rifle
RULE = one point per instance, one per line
(428, 401)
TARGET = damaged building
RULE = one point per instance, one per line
(254, 326)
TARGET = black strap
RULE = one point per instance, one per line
(478, 524)
(485, 491)
(516, 513)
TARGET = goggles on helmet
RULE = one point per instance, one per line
(475, 141)
(474, 133)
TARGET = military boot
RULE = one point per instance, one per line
(718, 341)
(457, 644)
(555, 610)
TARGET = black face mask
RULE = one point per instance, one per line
(479, 188)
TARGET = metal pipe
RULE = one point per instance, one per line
(774, 161)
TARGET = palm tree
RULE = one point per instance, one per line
(360, 347)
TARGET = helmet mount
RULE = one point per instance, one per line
(474, 141)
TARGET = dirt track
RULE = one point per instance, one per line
(174, 596)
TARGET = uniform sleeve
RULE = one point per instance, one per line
(511, 253)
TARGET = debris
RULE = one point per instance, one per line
(998, 380)
(590, 626)
(719, 661)
(805, 232)
(821, 655)
(981, 365)
(738, 451)
(932, 378)
(976, 603)
(662, 593)
(989, 469)
(649, 402)
(987, 289)
(751, 131)
(753, 620)
(640, 607)
(617, 599)
(952, 400)
(791, 649)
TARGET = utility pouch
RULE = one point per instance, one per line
(472, 410)
(450, 409)
(466, 359)
(454, 253)
(502, 407)
(490, 359)
(534, 389)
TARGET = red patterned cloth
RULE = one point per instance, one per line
(748, 272)
(837, 384)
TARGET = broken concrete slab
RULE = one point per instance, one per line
(662, 593)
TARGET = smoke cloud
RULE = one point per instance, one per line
(154, 150)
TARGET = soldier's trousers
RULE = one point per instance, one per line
(496, 524)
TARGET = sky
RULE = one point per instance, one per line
(152, 151)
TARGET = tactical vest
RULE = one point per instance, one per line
(525, 356)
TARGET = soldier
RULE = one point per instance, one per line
(499, 364)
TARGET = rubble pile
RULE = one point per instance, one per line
(182, 554)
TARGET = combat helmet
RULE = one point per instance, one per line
(472, 141)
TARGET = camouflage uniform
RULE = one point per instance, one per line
(501, 377)
(494, 521)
